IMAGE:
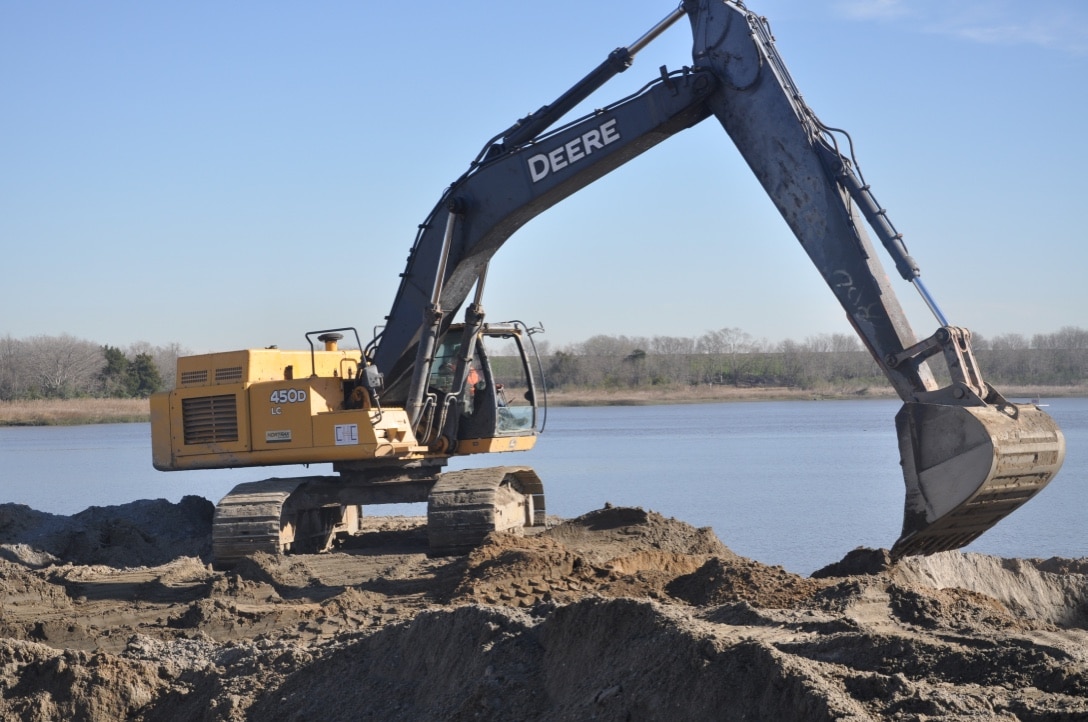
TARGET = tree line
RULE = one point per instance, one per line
(51, 367)
(731, 356)
(64, 367)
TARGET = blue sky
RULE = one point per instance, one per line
(226, 175)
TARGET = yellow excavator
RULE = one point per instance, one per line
(389, 414)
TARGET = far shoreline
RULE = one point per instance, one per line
(85, 411)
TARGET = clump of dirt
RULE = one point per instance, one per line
(618, 614)
(724, 581)
(958, 609)
(857, 562)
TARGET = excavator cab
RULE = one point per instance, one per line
(483, 402)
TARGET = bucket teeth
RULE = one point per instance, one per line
(968, 467)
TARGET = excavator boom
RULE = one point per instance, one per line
(969, 456)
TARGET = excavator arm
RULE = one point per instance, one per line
(969, 456)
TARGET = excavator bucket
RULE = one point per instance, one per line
(968, 467)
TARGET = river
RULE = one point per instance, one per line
(795, 483)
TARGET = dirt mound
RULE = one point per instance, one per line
(958, 609)
(142, 533)
(42, 684)
(619, 614)
(858, 561)
(723, 581)
(611, 532)
(613, 552)
(1022, 586)
(594, 659)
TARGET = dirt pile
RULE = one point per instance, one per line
(613, 552)
(143, 533)
(620, 614)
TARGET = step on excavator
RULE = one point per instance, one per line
(388, 415)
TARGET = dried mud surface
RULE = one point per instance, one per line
(621, 614)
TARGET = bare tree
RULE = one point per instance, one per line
(1009, 341)
(794, 372)
(671, 359)
(728, 354)
(1061, 357)
(1067, 337)
(63, 366)
(603, 358)
(14, 375)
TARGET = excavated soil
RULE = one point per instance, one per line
(620, 614)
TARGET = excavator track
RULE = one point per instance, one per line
(275, 516)
(278, 516)
(465, 506)
(248, 520)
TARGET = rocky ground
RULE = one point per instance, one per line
(621, 614)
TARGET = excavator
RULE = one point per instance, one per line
(390, 414)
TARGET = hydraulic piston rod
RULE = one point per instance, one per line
(617, 61)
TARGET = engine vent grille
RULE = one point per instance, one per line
(210, 419)
(189, 378)
(230, 373)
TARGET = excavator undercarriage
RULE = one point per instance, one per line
(305, 514)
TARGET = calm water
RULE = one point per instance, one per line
(791, 483)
